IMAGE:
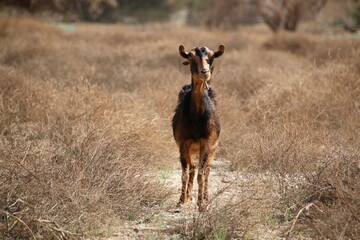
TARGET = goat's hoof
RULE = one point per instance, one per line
(177, 209)
(181, 204)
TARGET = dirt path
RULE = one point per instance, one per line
(166, 222)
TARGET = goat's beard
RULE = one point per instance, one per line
(206, 80)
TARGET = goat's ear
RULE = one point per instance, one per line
(220, 51)
(182, 52)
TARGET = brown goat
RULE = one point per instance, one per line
(196, 125)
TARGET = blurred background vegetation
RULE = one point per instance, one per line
(209, 13)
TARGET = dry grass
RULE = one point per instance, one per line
(70, 151)
(85, 125)
(302, 127)
(239, 210)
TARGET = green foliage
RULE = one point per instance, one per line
(198, 5)
(102, 10)
(165, 172)
(144, 10)
(143, 4)
(355, 12)
(220, 233)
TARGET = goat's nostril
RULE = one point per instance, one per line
(204, 71)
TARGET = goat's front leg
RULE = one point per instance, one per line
(211, 156)
(202, 176)
(185, 164)
(184, 182)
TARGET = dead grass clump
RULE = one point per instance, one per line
(316, 49)
(221, 222)
(292, 42)
(230, 214)
(66, 159)
(327, 202)
(302, 130)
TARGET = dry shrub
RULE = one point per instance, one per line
(232, 212)
(302, 130)
(328, 201)
(294, 43)
(70, 155)
(318, 50)
(221, 221)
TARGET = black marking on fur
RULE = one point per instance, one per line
(201, 52)
(196, 122)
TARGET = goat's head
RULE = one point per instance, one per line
(200, 60)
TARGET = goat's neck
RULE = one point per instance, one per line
(198, 96)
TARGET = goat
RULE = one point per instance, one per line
(196, 124)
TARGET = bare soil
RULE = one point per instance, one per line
(225, 185)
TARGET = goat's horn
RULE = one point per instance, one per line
(182, 52)
(220, 51)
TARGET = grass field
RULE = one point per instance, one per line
(86, 140)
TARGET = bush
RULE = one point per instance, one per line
(67, 160)
(302, 130)
(355, 13)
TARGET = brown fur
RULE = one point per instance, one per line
(196, 124)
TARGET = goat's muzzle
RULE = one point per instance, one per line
(205, 75)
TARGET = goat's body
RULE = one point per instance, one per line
(189, 123)
(196, 129)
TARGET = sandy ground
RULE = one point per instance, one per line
(223, 183)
